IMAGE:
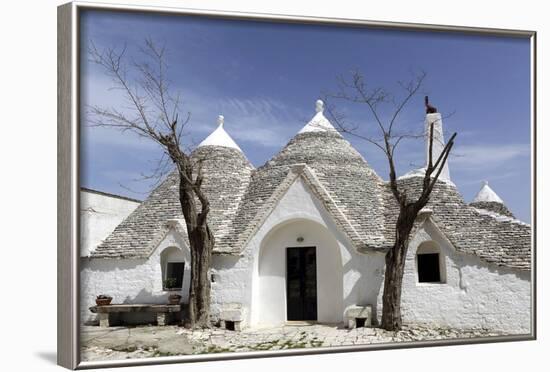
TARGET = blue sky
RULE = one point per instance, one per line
(265, 77)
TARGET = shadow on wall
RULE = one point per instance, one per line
(111, 265)
(136, 318)
(225, 262)
(366, 289)
(147, 297)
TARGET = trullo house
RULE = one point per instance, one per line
(303, 238)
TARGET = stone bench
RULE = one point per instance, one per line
(162, 311)
(358, 316)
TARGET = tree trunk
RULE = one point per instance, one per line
(395, 265)
(201, 243)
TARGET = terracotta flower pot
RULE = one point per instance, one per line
(174, 299)
(103, 301)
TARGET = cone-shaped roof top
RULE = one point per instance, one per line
(318, 142)
(219, 137)
(319, 123)
(486, 194)
(488, 200)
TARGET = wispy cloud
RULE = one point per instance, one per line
(260, 121)
(249, 120)
(472, 157)
(490, 177)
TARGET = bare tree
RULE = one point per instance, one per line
(356, 90)
(152, 113)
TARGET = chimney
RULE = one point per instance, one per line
(438, 143)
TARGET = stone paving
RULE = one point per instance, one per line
(152, 341)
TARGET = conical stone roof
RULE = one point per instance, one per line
(501, 241)
(226, 176)
(351, 184)
(318, 142)
(488, 199)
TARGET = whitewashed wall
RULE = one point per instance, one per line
(131, 280)
(341, 271)
(475, 294)
(99, 215)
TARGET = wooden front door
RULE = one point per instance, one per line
(301, 283)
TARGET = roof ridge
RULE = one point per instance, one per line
(105, 193)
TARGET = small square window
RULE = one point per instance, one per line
(229, 325)
(174, 274)
(428, 268)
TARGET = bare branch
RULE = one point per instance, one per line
(446, 152)
(441, 159)
(412, 89)
(338, 119)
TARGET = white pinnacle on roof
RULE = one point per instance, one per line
(319, 123)
(438, 143)
(486, 194)
(219, 137)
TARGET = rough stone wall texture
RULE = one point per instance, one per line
(475, 294)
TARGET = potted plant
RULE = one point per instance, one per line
(170, 285)
(103, 300)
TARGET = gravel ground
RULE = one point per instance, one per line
(117, 343)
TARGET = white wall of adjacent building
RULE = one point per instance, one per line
(100, 214)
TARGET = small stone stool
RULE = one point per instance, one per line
(163, 319)
(231, 317)
(358, 316)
